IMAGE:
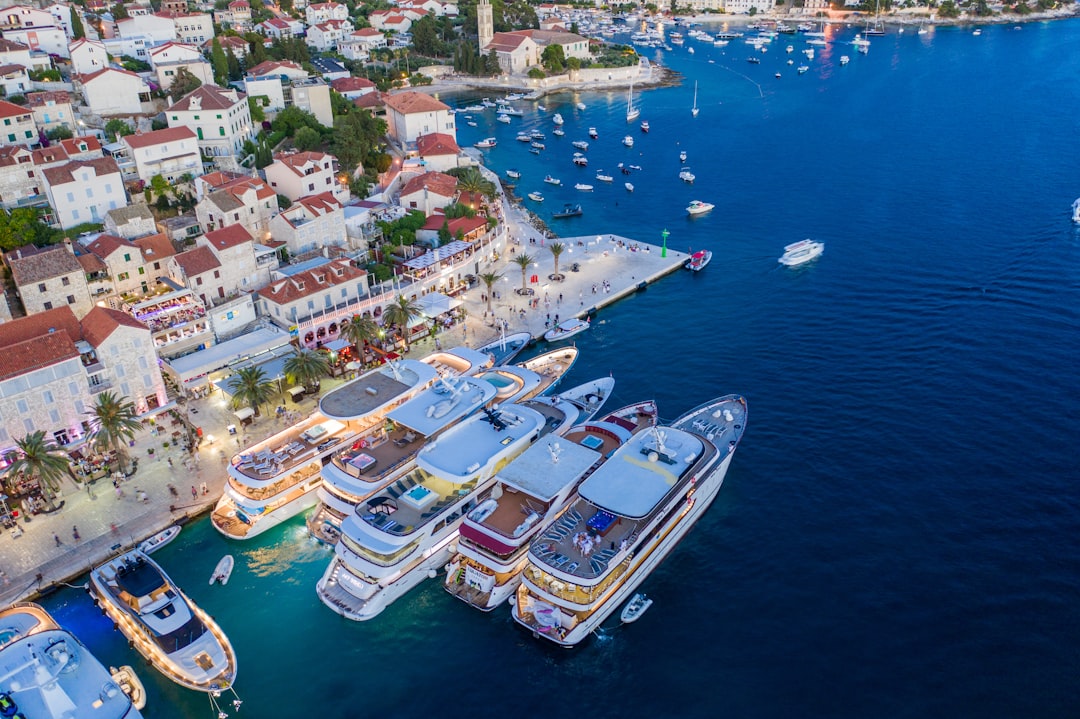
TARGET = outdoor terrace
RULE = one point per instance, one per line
(288, 450)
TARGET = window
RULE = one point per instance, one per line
(147, 382)
(80, 407)
(142, 270)
(11, 137)
(47, 397)
(217, 274)
(54, 416)
(71, 197)
(120, 371)
(65, 281)
(89, 192)
(23, 407)
(28, 425)
(221, 131)
(71, 299)
(108, 189)
(311, 186)
(198, 281)
(142, 363)
(41, 287)
(196, 117)
(47, 305)
(127, 257)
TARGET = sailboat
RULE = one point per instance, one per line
(631, 111)
(875, 28)
(694, 109)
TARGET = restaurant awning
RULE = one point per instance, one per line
(244, 413)
(336, 345)
(434, 304)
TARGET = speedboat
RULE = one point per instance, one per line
(537, 145)
(552, 180)
(803, 68)
(629, 186)
(470, 123)
(682, 156)
(174, 635)
(686, 176)
(582, 569)
(513, 174)
(566, 329)
(604, 178)
(536, 197)
(505, 348)
(580, 160)
(697, 261)
(49, 674)
(567, 212)
(628, 141)
(583, 187)
(504, 119)
(486, 142)
(802, 251)
(754, 60)
(1076, 210)
(844, 59)
(697, 207)
(530, 496)
(558, 132)
(580, 144)
(537, 135)
(523, 137)
(557, 119)
(580, 106)
(593, 133)
(401, 535)
(644, 125)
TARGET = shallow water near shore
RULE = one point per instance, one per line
(896, 536)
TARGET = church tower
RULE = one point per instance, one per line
(485, 23)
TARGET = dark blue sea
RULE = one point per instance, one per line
(897, 536)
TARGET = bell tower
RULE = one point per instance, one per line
(485, 29)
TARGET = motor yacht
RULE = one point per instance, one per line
(557, 119)
(175, 636)
(486, 143)
(802, 251)
(583, 187)
(513, 174)
(552, 180)
(593, 133)
(391, 542)
(580, 160)
(49, 674)
(697, 207)
(536, 197)
(628, 141)
(505, 347)
(686, 176)
(580, 144)
(1076, 210)
(566, 329)
(604, 177)
(630, 514)
(273, 480)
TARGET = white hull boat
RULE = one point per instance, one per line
(223, 570)
(159, 540)
(637, 606)
(802, 251)
(566, 329)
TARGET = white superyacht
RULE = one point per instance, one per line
(390, 542)
(49, 674)
(631, 513)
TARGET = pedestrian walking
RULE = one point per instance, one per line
(119, 492)
(194, 492)
(205, 491)
(170, 463)
(75, 533)
(172, 491)
(56, 538)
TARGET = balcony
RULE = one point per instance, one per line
(101, 386)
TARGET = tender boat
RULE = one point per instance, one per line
(686, 176)
(753, 60)
(174, 635)
(682, 156)
(523, 137)
(697, 261)
(537, 135)
(558, 132)
(593, 133)
(604, 177)
(505, 348)
(503, 119)
(557, 119)
(580, 144)
(552, 180)
(580, 106)
(803, 68)
(1076, 210)
(223, 570)
(628, 141)
(637, 606)
(536, 197)
(507, 110)
(630, 514)
(802, 251)
(644, 125)
(129, 683)
(537, 145)
(583, 187)
(403, 534)
(159, 540)
(49, 674)
(566, 329)
(513, 174)
(529, 498)
(487, 142)
(567, 212)
(844, 59)
(534, 150)
(697, 207)
(580, 160)
(629, 186)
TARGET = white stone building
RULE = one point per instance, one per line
(221, 120)
(17, 124)
(312, 223)
(50, 277)
(84, 190)
(171, 153)
(300, 174)
(411, 114)
(114, 92)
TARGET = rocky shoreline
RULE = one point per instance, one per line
(660, 77)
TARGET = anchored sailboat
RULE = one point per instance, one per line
(694, 109)
(631, 111)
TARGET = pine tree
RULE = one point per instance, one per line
(219, 62)
(235, 71)
(77, 30)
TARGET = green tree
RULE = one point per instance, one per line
(236, 72)
(523, 260)
(357, 141)
(306, 368)
(401, 312)
(60, 132)
(573, 63)
(425, 36)
(556, 248)
(360, 331)
(255, 105)
(292, 118)
(251, 388)
(219, 62)
(118, 11)
(307, 139)
(21, 226)
(948, 9)
(116, 126)
(491, 64)
(444, 233)
(256, 48)
(470, 179)
(159, 186)
(554, 58)
(77, 30)
(183, 82)
(489, 279)
(113, 423)
(41, 458)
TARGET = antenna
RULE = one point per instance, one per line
(554, 450)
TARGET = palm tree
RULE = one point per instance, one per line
(524, 261)
(489, 279)
(307, 367)
(557, 249)
(400, 312)
(470, 179)
(251, 388)
(113, 423)
(360, 330)
(41, 458)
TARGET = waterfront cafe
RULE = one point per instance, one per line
(441, 262)
(198, 373)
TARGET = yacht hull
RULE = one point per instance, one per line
(269, 520)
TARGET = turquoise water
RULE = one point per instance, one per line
(896, 536)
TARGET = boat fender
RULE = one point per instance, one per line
(432, 574)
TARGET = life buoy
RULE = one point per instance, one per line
(363, 444)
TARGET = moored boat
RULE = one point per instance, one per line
(566, 329)
(536, 197)
(513, 174)
(552, 180)
(223, 570)
(593, 133)
(1076, 210)
(604, 177)
(583, 187)
(697, 207)
(628, 141)
(174, 635)
(486, 142)
(159, 540)
(802, 251)
(505, 347)
(129, 683)
(629, 186)
(568, 211)
(697, 261)
(629, 515)
(637, 606)
(49, 674)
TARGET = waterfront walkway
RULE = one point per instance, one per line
(107, 523)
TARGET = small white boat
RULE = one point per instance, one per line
(558, 132)
(504, 119)
(580, 160)
(552, 180)
(537, 145)
(159, 540)
(844, 59)
(581, 106)
(583, 187)
(697, 261)
(682, 156)
(976, 32)
(580, 144)
(470, 123)
(697, 207)
(541, 108)
(922, 31)
(1076, 210)
(129, 683)
(687, 176)
(635, 608)
(536, 197)
(486, 142)
(803, 68)
(223, 570)
(628, 141)
(593, 133)
(629, 186)
(566, 329)
(789, 48)
(802, 251)
(690, 50)
(557, 119)
(513, 174)
(604, 178)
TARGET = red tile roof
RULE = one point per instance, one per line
(310, 282)
(299, 162)
(61, 319)
(34, 354)
(104, 245)
(436, 182)
(352, 84)
(55, 261)
(436, 143)
(366, 32)
(273, 67)
(228, 237)
(371, 100)
(209, 97)
(90, 77)
(10, 109)
(65, 173)
(72, 144)
(40, 99)
(158, 137)
(465, 224)
(100, 322)
(410, 102)
(91, 263)
(197, 261)
(155, 247)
